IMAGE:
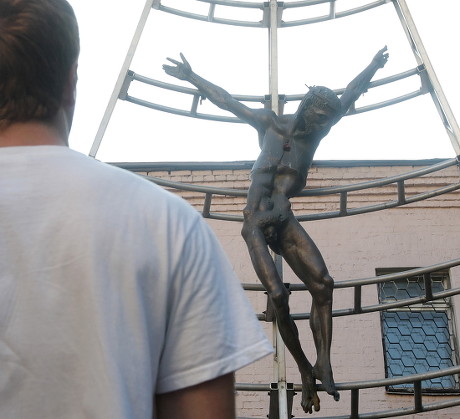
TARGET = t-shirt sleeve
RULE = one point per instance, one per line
(212, 329)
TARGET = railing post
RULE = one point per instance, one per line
(428, 286)
(418, 406)
(354, 409)
(357, 297)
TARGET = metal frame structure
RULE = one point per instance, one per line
(271, 18)
(357, 309)
(343, 192)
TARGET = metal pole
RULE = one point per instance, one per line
(421, 56)
(273, 50)
(280, 350)
(280, 358)
(121, 78)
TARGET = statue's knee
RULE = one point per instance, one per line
(322, 286)
(328, 282)
(280, 298)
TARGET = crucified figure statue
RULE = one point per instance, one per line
(288, 144)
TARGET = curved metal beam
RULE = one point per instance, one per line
(263, 22)
(195, 95)
(343, 211)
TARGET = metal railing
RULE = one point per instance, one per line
(343, 191)
(195, 102)
(357, 386)
(358, 284)
(264, 17)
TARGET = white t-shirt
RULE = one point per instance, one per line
(111, 290)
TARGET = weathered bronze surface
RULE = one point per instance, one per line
(288, 144)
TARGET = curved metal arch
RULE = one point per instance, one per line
(193, 110)
(263, 21)
(357, 285)
(343, 211)
(356, 386)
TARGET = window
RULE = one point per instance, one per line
(418, 338)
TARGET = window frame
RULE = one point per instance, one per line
(435, 306)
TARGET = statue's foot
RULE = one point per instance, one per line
(324, 374)
(310, 399)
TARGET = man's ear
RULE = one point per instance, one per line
(70, 89)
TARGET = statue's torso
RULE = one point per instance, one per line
(284, 152)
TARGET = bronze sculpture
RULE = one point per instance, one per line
(288, 144)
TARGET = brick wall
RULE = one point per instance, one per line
(415, 235)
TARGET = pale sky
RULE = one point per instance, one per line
(236, 58)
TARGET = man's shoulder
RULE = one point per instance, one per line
(107, 177)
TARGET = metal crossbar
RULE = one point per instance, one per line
(193, 111)
(357, 284)
(263, 20)
(343, 191)
(355, 387)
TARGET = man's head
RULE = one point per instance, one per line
(39, 47)
(320, 101)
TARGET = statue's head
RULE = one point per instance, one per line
(320, 98)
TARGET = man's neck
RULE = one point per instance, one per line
(31, 134)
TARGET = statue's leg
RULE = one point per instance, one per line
(321, 326)
(305, 259)
(266, 271)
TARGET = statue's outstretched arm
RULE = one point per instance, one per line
(360, 83)
(258, 118)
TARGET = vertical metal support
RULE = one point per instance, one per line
(418, 405)
(354, 409)
(273, 54)
(428, 287)
(332, 9)
(121, 79)
(343, 203)
(436, 91)
(280, 350)
(401, 192)
(279, 364)
(273, 413)
(207, 205)
(357, 298)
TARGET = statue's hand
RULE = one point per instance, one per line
(180, 70)
(381, 57)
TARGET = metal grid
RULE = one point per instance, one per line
(421, 337)
(417, 342)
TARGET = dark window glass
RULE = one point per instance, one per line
(418, 338)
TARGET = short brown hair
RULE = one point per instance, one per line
(39, 43)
